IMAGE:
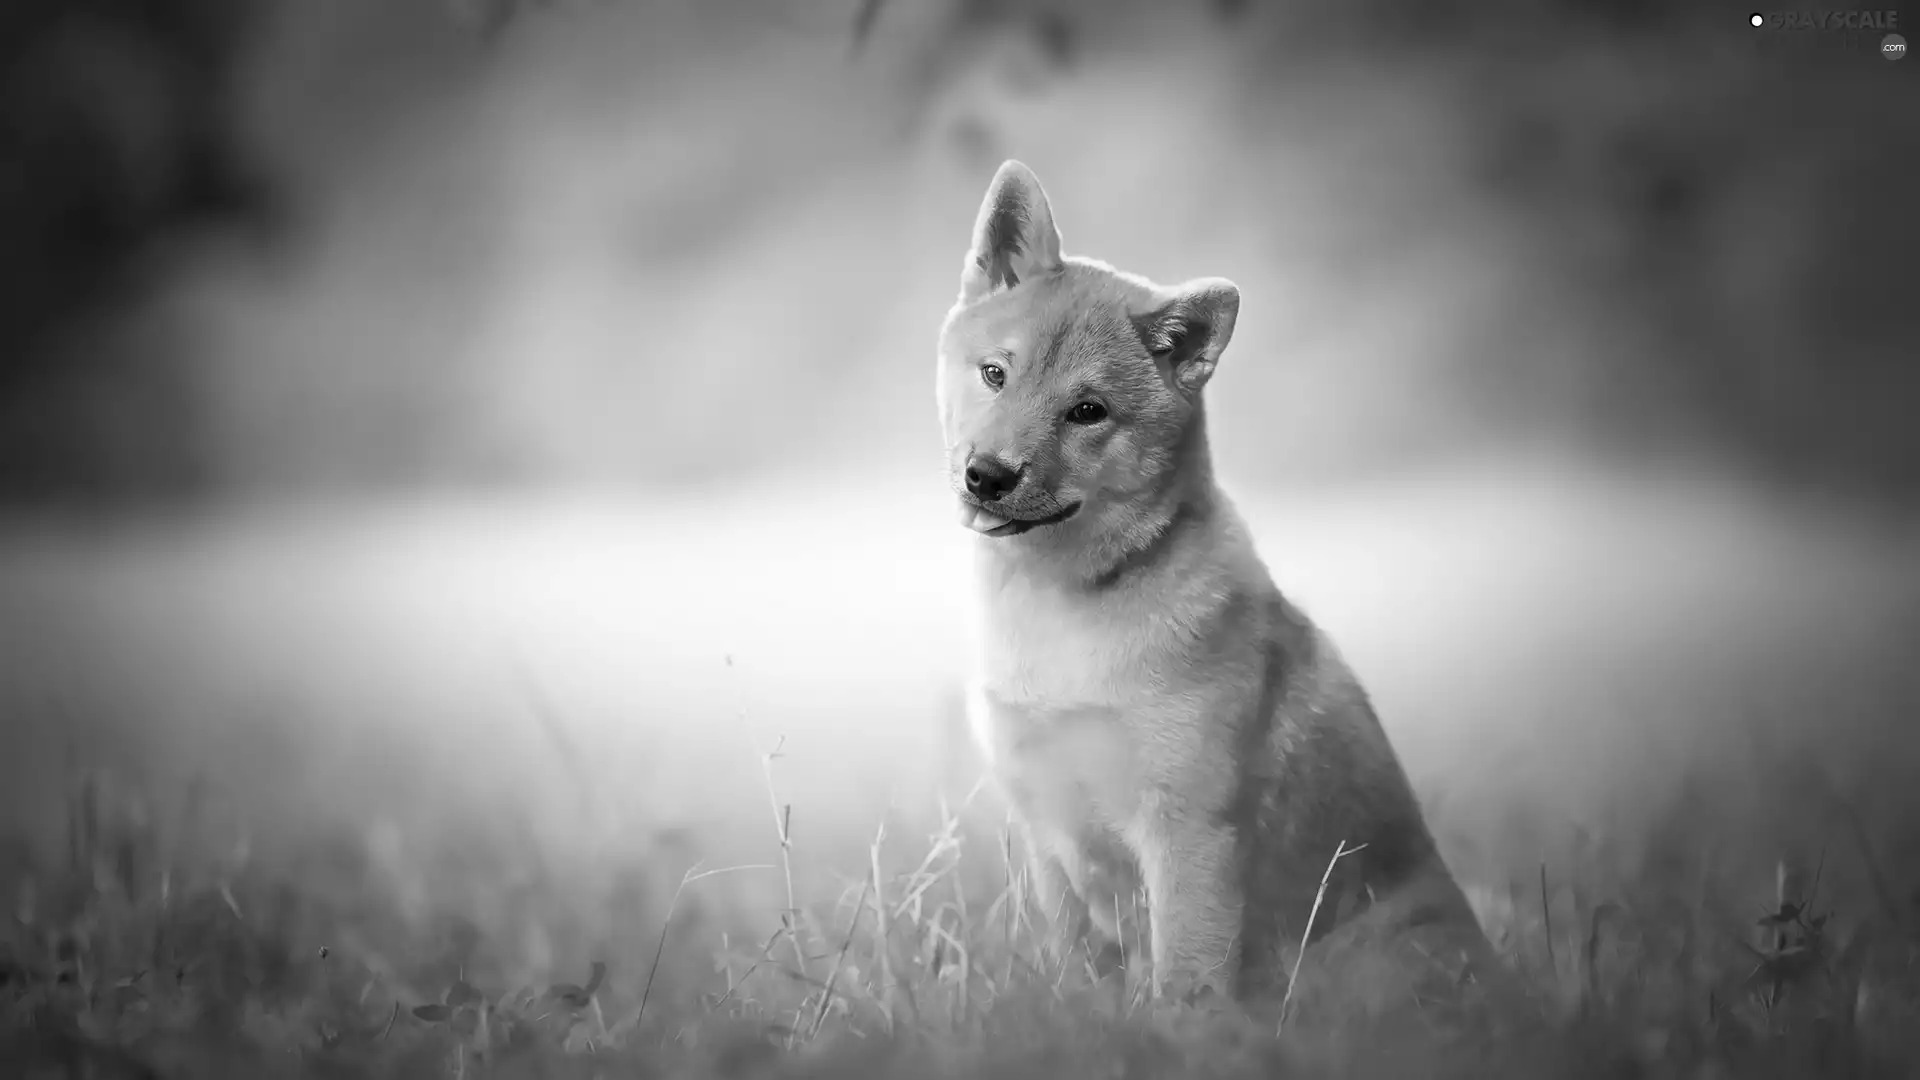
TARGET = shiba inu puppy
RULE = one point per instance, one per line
(1157, 713)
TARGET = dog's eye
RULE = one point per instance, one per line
(1087, 412)
(993, 375)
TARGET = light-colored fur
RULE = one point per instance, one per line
(1157, 712)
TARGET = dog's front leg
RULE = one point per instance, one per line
(1062, 909)
(1194, 901)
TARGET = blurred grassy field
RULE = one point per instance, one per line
(483, 745)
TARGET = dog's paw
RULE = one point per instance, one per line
(1191, 989)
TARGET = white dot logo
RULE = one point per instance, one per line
(1893, 46)
(1757, 19)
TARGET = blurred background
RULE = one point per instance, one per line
(422, 414)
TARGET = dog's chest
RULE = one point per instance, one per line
(1062, 764)
(1058, 690)
(1043, 652)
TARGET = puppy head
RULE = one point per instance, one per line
(1069, 392)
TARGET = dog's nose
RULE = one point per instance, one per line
(988, 478)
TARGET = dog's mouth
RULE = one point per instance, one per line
(987, 523)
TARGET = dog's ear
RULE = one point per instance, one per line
(1013, 238)
(1189, 330)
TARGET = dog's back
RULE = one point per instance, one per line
(1323, 798)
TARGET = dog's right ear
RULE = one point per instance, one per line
(1013, 238)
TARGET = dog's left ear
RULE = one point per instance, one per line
(1013, 237)
(1187, 333)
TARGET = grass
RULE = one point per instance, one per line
(151, 949)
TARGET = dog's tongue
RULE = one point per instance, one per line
(979, 520)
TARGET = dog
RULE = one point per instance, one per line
(1159, 716)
